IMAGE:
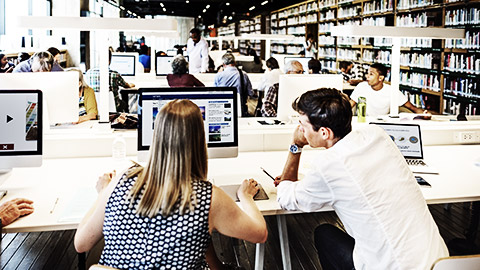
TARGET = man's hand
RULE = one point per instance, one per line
(277, 180)
(130, 85)
(299, 138)
(104, 180)
(12, 210)
(247, 189)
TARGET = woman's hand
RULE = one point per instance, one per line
(104, 180)
(247, 189)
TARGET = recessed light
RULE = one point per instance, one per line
(187, 1)
(252, 8)
(230, 18)
(122, 8)
(199, 16)
(204, 10)
(164, 9)
(207, 6)
(161, 4)
(228, 4)
(264, 2)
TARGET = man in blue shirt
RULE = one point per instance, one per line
(232, 76)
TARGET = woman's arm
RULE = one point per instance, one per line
(90, 229)
(90, 105)
(227, 218)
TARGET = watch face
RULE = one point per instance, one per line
(294, 148)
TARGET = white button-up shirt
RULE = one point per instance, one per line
(366, 180)
(197, 56)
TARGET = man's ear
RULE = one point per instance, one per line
(381, 78)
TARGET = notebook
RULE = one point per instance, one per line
(408, 139)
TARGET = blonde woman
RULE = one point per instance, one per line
(161, 216)
(87, 104)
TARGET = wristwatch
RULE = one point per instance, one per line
(295, 149)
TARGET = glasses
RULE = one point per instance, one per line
(299, 72)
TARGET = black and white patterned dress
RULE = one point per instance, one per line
(172, 242)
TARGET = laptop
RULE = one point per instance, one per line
(408, 139)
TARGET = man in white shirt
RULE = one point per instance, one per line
(365, 179)
(197, 49)
(377, 93)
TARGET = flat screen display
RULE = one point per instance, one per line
(123, 64)
(407, 138)
(217, 104)
(164, 65)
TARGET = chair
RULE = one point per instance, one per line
(471, 262)
(101, 267)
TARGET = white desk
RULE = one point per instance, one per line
(458, 181)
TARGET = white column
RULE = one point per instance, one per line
(153, 55)
(103, 106)
(267, 48)
(395, 76)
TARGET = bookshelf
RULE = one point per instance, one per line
(435, 74)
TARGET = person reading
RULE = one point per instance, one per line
(386, 219)
(164, 213)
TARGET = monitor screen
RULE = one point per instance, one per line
(123, 64)
(302, 60)
(407, 138)
(172, 52)
(20, 128)
(164, 65)
(219, 110)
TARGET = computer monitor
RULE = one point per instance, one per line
(60, 92)
(292, 86)
(219, 109)
(172, 52)
(124, 63)
(20, 129)
(302, 60)
(164, 65)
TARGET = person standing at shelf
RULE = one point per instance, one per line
(386, 219)
(5, 65)
(377, 93)
(197, 49)
(116, 81)
(310, 46)
(270, 102)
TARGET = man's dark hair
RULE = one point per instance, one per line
(382, 69)
(53, 51)
(272, 63)
(328, 108)
(344, 64)
(195, 31)
(310, 35)
(315, 66)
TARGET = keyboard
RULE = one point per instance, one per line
(415, 162)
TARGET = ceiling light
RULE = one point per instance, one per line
(207, 6)
(122, 8)
(161, 4)
(230, 18)
(164, 10)
(199, 16)
(129, 12)
(137, 0)
(228, 4)
(134, 14)
(187, 1)
(252, 8)
(264, 2)
(204, 10)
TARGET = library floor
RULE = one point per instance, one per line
(54, 250)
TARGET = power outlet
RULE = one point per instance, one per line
(466, 137)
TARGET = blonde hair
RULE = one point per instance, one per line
(80, 77)
(178, 156)
(42, 62)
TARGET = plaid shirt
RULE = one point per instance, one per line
(269, 107)
(92, 77)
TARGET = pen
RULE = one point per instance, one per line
(273, 178)
(55, 205)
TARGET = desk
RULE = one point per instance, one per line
(60, 178)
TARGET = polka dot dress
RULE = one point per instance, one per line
(172, 242)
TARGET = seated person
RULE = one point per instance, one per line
(346, 68)
(87, 104)
(39, 62)
(144, 58)
(377, 93)
(363, 176)
(168, 203)
(56, 56)
(314, 66)
(180, 77)
(22, 56)
(14, 209)
(116, 81)
(270, 102)
(5, 65)
(232, 76)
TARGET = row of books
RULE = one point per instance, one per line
(407, 4)
(415, 20)
(347, 54)
(420, 60)
(376, 56)
(351, 11)
(377, 6)
(471, 41)
(463, 16)
(327, 52)
(462, 63)
(452, 106)
(420, 80)
(464, 87)
(416, 99)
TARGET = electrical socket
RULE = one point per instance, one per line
(467, 137)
